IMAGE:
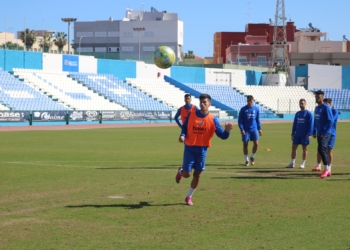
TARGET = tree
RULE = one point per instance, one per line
(60, 41)
(28, 37)
(11, 46)
(45, 43)
(188, 55)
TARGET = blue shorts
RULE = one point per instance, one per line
(250, 136)
(332, 141)
(303, 140)
(194, 160)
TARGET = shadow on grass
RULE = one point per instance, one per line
(277, 177)
(142, 204)
(135, 168)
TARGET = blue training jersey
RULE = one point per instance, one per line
(303, 124)
(248, 119)
(335, 121)
(219, 131)
(323, 120)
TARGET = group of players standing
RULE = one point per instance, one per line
(199, 126)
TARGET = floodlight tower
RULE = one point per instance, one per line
(279, 53)
(68, 20)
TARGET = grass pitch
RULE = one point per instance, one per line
(115, 189)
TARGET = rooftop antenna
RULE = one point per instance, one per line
(279, 52)
(142, 6)
(249, 11)
(345, 39)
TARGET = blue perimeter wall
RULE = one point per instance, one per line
(10, 59)
(253, 77)
(346, 77)
(301, 71)
(120, 69)
(188, 74)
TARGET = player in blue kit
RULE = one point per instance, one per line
(332, 139)
(322, 130)
(185, 110)
(302, 130)
(249, 124)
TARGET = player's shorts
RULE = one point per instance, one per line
(250, 136)
(332, 141)
(301, 140)
(194, 160)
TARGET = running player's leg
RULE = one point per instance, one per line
(254, 136)
(323, 150)
(245, 140)
(199, 167)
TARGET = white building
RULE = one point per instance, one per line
(139, 29)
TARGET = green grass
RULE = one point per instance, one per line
(54, 189)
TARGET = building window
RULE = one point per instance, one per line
(261, 58)
(113, 49)
(100, 34)
(128, 34)
(241, 59)
(85, 34)
(149, 48)
(149, 33)
(127, 49)
(100, 49)
(113, 33)
(85, 49)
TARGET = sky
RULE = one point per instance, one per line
(201, 18)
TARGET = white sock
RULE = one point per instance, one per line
(293, 161)
(253, 154)
(319, 165)
(180, 170)
(330, 167)
(326, 168)
(190, 192)
(303, 162)
(246, 157)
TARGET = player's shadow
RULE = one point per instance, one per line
(142, 204)
(132, 168)
(228, 165)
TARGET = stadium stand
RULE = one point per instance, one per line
(340, 97)
(164, 91)
(65, 90)
(280, 99)
(120, 92)
(17, 95)
(227, 96)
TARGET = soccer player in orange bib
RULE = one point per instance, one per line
(185, 110)
(197, 132)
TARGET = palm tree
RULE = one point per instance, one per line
(12, 46)
(190, 54)
(28, 37)
(45, 43)
(60, 41)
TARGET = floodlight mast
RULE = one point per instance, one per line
(68, 20)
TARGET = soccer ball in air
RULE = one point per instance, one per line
(164, 57)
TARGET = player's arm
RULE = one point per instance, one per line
(335, 118)
(311, 125)
(329, 122)
(240, 121)
(184, 130)
(294, 128)
(258, 124)
(220, 132)
(177, 117)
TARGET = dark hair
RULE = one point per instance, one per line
(250, 97)
(302, 100)
(328, 100)
(187, 95)
(319, 92)
(204, 96)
